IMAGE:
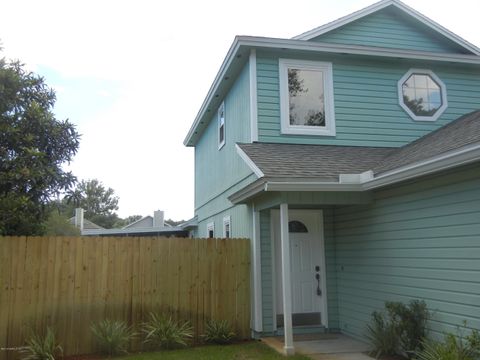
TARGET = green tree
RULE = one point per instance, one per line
(58, 224)
(33, 147)
(98, 201)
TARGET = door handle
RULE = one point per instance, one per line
(319, 291)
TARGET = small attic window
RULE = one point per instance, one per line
(221, 126)
(422, 95)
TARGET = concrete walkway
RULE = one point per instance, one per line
(324, 346)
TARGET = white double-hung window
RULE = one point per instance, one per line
(306, 97)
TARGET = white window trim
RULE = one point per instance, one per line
(326, 68)
(210, 227)
(221, 109)
(226, 220)
(443, 90)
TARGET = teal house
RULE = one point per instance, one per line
(350, 156)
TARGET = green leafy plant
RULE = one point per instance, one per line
(400, 329)
(113, 337)
(42, 347)
(453, 347)
(382, 332)
(219, 332)
(165, 333)
(411, 321)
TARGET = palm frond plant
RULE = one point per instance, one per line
(42, 347)
(163, 332)
(219, 332)
(112, 337)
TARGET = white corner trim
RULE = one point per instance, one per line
(443, 91)
(249, 162)
(379, 6)
(253, 96)
(326, 69)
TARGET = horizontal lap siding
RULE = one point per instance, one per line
(419, 240)
(367, 112)
(387, 29)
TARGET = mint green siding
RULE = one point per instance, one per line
(388, 28)
(219, 173)
(367, 111)
(418, 240)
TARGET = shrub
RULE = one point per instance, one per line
(165, 333)
(400, 329)
(411, 322)
(219, 332)
(453, 347)
(42, 347)
(383, 335)
(112, 337)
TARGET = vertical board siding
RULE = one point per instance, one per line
(416, 241)
(70, 283)
(367, 112)
(267, 275)
(217, 170)
(240, 222)
(387, 28)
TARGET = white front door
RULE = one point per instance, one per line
(307, 267)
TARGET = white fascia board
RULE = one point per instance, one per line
(308, 35)
(379, 6)
(213, 89)
(256, 170)
(311, 186)
(464, 156)
(247, 192)
(311, 46)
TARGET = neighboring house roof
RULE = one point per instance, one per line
(146, 231)
(325, 162)
(458, 134)
(285, 167)
(87, 224)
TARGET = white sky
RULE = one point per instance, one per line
(132, 75)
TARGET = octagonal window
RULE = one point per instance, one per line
(422, 95)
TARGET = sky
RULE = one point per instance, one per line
(132, 75)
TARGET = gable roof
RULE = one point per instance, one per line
(286, 167)
(382, 5)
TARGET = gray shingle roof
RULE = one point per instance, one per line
(322, 162)
(326, 162)
(455, 135)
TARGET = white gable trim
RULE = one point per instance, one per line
(256, 170)
(379, 6)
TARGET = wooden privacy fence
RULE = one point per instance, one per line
(71, 282)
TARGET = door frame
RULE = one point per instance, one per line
(323, 264)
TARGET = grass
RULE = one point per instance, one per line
(244, 351)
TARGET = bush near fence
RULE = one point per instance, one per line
(70, 282)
